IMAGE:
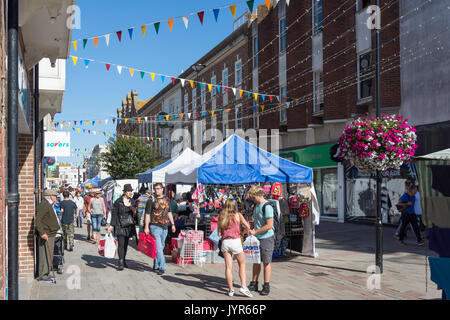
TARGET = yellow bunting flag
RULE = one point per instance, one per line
(233, 10)
(182, 115)
(144, 28)
(212, 112)
(240, 92)
(139, 120)
(131, 71)
(96, 41)
(99, 121)
(78, 130)
(256, 97)
(74, 45)
(268, 4)
(87, 122)
(153, 76)
(209, 87)
(262, 108)
(167, 118)
(170, 24)
(75, 59)
(159, 139)
(192, 83)
(126, 121)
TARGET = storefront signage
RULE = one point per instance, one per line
(57, 144)
(313, 157)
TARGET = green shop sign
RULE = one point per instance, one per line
(313, 157)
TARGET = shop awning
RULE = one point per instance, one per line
(92, 183)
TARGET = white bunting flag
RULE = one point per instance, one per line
(186, 21)
(234, 91)
(189, 116)
(107, 39)
(106, 121)
(119, 69)
(182, 82)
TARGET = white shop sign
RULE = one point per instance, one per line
(57, 144)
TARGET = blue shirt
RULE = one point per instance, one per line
(407, 198)
(260, 220)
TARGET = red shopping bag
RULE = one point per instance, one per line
(101, 247)
(147, 245)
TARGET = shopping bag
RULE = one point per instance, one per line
(110, 246)
(214, 236)
(147, 245)
(252, 250)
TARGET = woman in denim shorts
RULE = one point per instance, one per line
(98, 210)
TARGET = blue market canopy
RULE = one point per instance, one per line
(102, 182)
(237, 161)
(92, 182)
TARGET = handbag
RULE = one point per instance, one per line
(126, 221)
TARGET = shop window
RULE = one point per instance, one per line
(326, 184)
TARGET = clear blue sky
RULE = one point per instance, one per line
(95, 94)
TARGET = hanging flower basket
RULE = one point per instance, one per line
(378, 144)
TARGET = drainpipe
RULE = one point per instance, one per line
(13, 141)
(37, 158)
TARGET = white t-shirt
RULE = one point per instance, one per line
(79, 201)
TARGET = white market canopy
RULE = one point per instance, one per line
(158, 174)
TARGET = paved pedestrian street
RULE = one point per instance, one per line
(340, 272)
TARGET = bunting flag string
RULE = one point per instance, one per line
(200, 14)
(163, 77)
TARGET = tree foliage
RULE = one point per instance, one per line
(125, 158)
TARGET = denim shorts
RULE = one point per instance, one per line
(96, 222)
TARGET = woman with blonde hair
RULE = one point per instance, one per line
(230, 230)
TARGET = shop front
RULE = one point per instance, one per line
(328, 178)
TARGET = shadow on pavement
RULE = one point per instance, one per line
(206, 282)
(101, 262)
(329, 267)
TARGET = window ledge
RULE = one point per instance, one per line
(318, 113)
(364, 101)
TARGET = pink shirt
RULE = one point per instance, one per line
(234, 231)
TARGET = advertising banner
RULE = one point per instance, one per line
(57, 144)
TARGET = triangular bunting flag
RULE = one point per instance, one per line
(233, 10)
(157, 27)
(100, 122)
(270, 98)
(200, 16)
(87, 122)
(131, 71)
(268, 4)
(256, 97)
(119, 35)
(143, 28)
(262, 108)
(142, 74)
(84, 43)
(182, 116)
(250, 5)
(107, 39)
(126, 120)
(212, 112)
(216, 13)
(106, 121)
(130, 32)
(75, 122)
(75, 59)
(182, 82)
(167, 118)
(218, 89)
(248, 95)
(189, 116)
(173, 80)
(96, 41)
(74, 45)
(86, 62)
(163, 78)
(119, 69)
(170, 24)
(192, 83)
(153, 76)
(228, 110)
(240, 92)
(108, 65)
(287, 2)
(209, 87)
(186, 21)
(263, 97)
(234, 91)
(201, 86)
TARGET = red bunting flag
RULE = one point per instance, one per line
(108, 65)
(270, 98)
(75, 122)
(119, 35)
(173, 80)
(200, 16)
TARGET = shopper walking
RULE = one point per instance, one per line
(122, 222)
(87, 213)
(407, 201)
(263, 230)
(47, 225)
(158, 215)
(143, 199)
(68, 210)
(79, 201)
(230, 221)
(98, 212)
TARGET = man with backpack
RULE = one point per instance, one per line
(264, 223)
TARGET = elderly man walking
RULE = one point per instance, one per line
(47, 225)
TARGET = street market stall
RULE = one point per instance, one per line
(434, 174)
(228, 169)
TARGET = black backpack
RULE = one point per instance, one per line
(276, 218)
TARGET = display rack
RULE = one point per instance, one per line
(192, 249)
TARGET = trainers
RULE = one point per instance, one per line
(420, 243)
(161, 272)
(253, 286)
(48, 279)
(245, 292)
(402, 243)
(265, 290)
(231, 293)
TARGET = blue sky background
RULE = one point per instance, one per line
(95, 94)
